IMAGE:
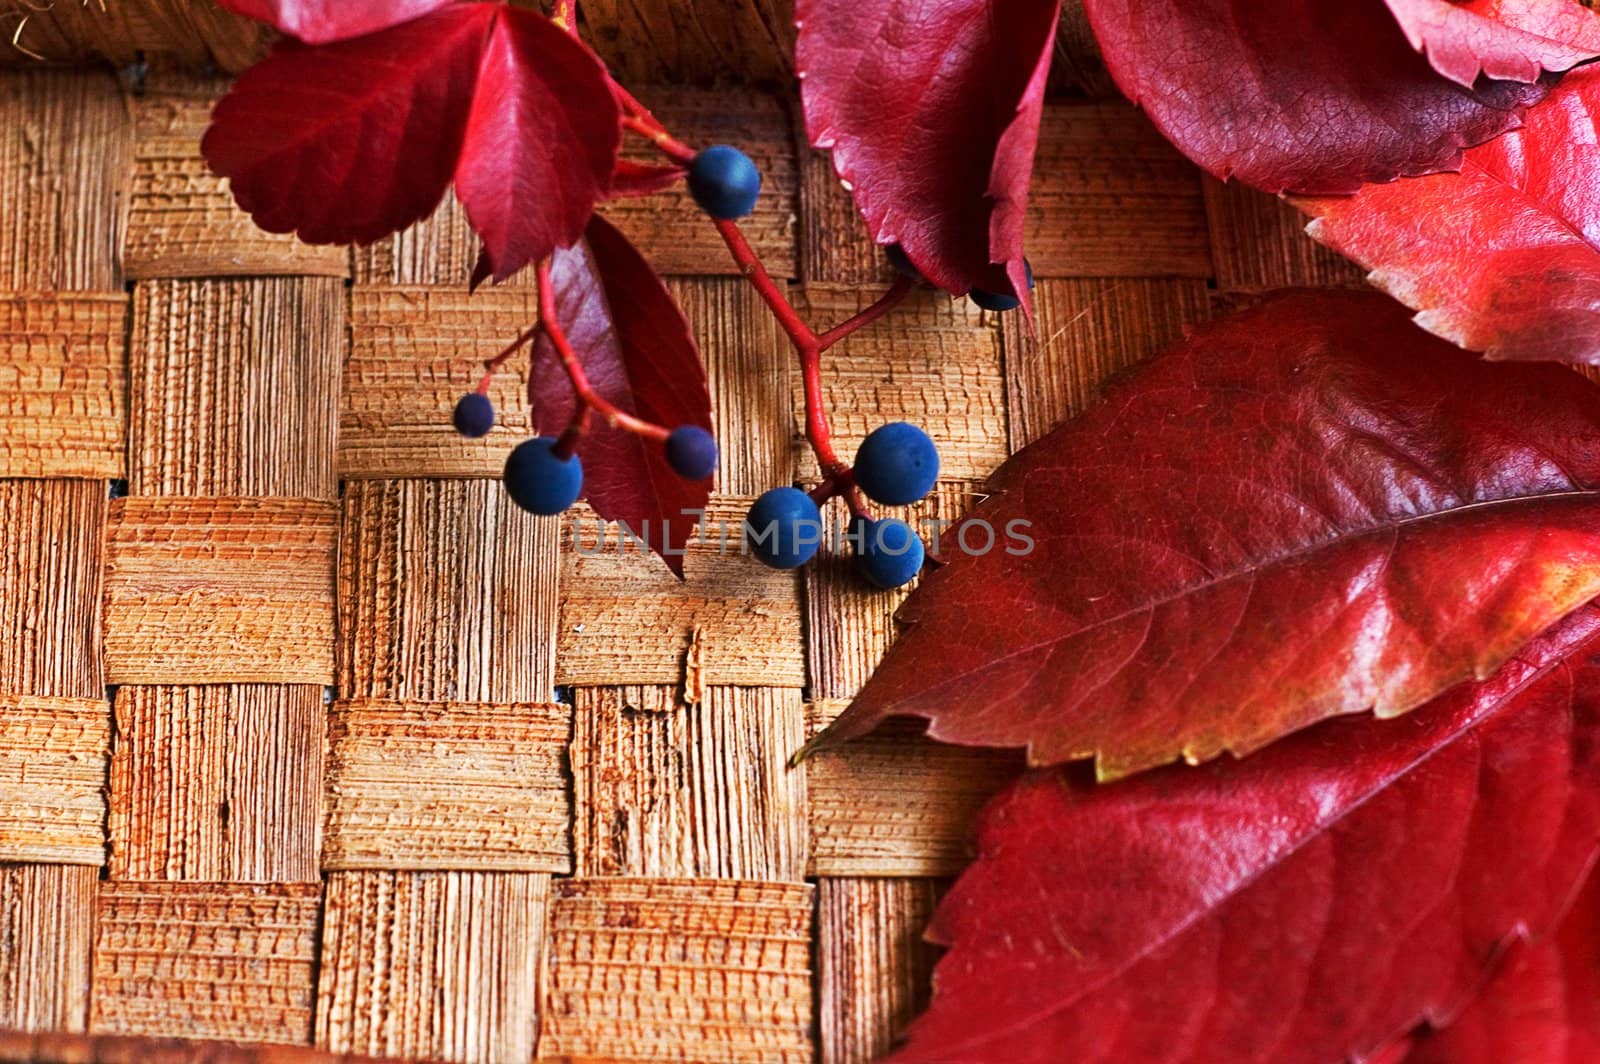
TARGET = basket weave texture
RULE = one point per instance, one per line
(282, 756)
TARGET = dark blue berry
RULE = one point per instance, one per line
(691, 452)
(724, 181)
(901, 261)
(474, 415)
(997, 301)
(888, 552)
(783, 528)
(539, 481)
(897, 464)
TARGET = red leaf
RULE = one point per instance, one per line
(352, 141)
(642, 179)
(1503, 257)
(635, 347)
(1309, 509)
(1296, 94)
(321, 21)
(1512, 39)
(1305, 905)
(349, 142)
(931, 109)
(1393, 1053)
(541, 141)
(1541, 1007)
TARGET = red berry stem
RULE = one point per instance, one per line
(491, 366)
(841, 485)
(588, 398)
(806, 345)
(567, 442)
(885, 303)
(638, 119)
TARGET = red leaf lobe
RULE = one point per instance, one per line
(1503, 257)
(1541, 1007)
(931, 110)
(348, 142)
(323, 21)
(1320, 510)
(1516, 40)
(541, 141)
(1296, 95)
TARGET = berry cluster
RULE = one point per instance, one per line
(896, 465)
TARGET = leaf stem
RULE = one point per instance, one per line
(491, 366)
(638, 119)
(885, 303)
(805, 341)
(588, 398)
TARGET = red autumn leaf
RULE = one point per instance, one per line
(931, 109)
(1503, 257)
(1512, 39)
(348, 142)
(541, 141)
(636, 349)
(321, 21)
(1312, 508)
(642, 179)
(1296, 94)
(1305, 905)
(1541, 1007)
(1393, 1053)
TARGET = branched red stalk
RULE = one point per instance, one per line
(588, 398)
(638, 119)
(836, 477)
(491, 366)
(806, 344)
(885, 303)
(840, 484)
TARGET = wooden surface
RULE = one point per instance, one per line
(308, 736)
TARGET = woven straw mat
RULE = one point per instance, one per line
(309, 738)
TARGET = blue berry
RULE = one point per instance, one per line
(896, 464)
(889, 553)
(997, 301)
(724, 181)
(691, 452)
(901, 261)
(539, 481)
(783, 528)
(474, 415)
